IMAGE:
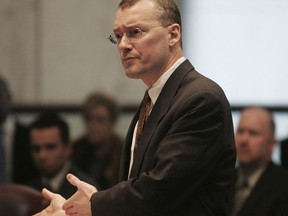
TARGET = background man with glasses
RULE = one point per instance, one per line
(182, 161)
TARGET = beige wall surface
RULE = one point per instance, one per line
(17, 47)
(56, 51)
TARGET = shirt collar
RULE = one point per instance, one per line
(57, 180)
(155, 90)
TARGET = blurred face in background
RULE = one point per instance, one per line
(254, 138)
(48, 151)
(99, 125)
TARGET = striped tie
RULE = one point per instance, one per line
(144, 113)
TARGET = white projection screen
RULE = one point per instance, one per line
(242, 45)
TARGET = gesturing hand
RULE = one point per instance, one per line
(55, 207)
(79, 203)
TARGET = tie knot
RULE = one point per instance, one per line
(146, 98)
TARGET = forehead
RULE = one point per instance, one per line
(44, 135)
(255, 118)
(141, 12)
(101, 109)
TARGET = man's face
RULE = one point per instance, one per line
(48, 151)
(146, 57)
(99, 124)
(254, 138)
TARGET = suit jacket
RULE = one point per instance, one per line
(105, 168)
(23, 167)
(284, 153)
(185, 160)
(66, 189)
(269, 196)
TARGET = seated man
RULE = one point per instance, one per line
(97, 152)
(284, 153)
(261, 187)
(49, 140)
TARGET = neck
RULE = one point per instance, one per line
(248, 169)
(151, 80)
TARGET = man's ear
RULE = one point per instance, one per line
(174, 34)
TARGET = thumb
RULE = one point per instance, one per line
(73, 179)
(47, 194)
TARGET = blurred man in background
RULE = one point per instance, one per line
(261, 187)
(16, 164)
(284, 153)
(50, 148)
(97, 152)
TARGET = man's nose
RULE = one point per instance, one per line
(124, 43)
(42, 153)
(243, 139)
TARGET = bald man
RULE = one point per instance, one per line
(261, 187)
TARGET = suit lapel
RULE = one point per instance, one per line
(159, 110)
(260, 188)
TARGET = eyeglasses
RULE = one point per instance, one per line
(132, 34)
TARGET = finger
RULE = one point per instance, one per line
(73, 179)
(47, 194)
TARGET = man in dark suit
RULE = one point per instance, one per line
(49, 140)
(16, 160)
(284, 153)
(261, 187)
(182, 162)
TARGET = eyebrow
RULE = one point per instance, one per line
(134, 25)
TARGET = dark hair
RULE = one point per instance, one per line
(168, 11)
(99, 99)
(49, 119)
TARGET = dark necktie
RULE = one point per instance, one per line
(2, 157)
(242, 192)
(144, 113)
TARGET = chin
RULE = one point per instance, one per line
(132, 75)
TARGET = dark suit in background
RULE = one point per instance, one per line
(19, 157)
(284, 153)
(270, 194)
(23, 166)
(14, 142)
(66, 189)
(185, 157)
(104, 169)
